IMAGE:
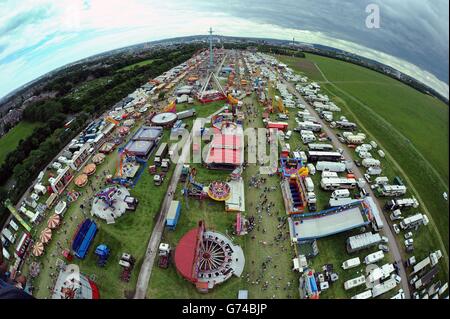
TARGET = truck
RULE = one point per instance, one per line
(160, 153)
(351, 263)
(165, 165)
(396, 215)
(391, 190)
(413, 221)
(374, 257)
(401, 203)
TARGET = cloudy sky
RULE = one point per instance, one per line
(37, 36)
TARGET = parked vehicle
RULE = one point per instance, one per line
(408, 235)
(409, 242)
(384, 248)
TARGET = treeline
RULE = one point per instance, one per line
(281, 51)
(35, 152)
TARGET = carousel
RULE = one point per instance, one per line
(46, 236)
(89, 169)
(81, 180)
(98, 158)
(219, 191)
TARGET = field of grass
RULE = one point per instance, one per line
(136, 65)
(81, 90)
(167, 283)
(10, 140)
(412, 127)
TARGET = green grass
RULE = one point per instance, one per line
(136, 65)
(412, 127)
(10, 140)
(167, 283)
(83, 89)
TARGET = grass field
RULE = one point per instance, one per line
(81, 90)
(169, 284)
(136, 65)
(10, 140)
(405, 123)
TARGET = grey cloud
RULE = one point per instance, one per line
(413, 30)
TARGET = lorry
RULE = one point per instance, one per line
(351, 263)
(160, 153)
(401, 203)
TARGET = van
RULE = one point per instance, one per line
(351, 263)
(340, 193)
(288, 135)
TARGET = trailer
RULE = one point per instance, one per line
(414, 221)
(363, 295)
(308, 182)
(173, 214)
(317, 156)
(310, 126)
(346, 125)
(383, 287)
(355, 282)
(362, 241)
(336, 183)
(391, 190)
(374, 171)
(381, 180)
(370, 162)
(326, 174)
(374, 257)
(320, 147)
(351, 263)
(336, 202)
(186, 114)
(401, 203)
(160, 153)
